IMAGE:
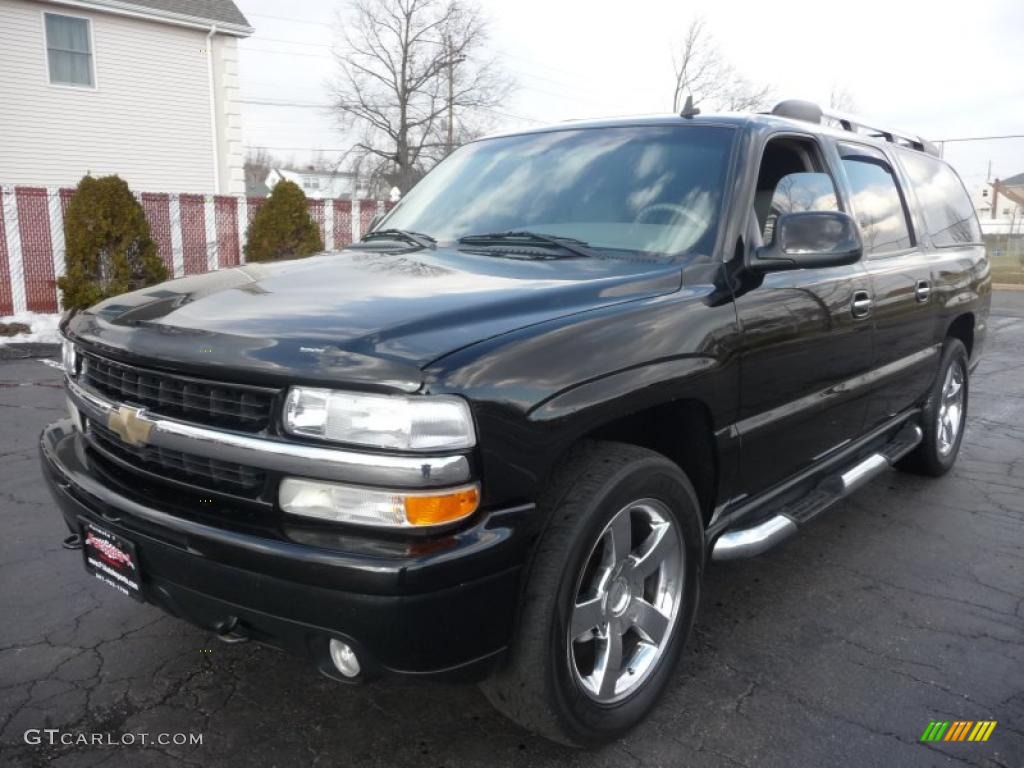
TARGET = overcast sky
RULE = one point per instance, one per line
(941, 69)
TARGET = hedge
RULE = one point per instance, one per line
(282, 228)
(108, 246)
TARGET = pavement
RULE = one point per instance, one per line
(904, 604)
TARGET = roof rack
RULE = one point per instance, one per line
(810, 112)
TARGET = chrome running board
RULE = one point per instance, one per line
(748, 542)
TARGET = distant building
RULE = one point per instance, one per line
(255, 187)
(146, 89)
(1000, 202)
(318, 184)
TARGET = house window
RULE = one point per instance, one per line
(69, 50)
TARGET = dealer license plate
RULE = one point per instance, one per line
(111, 559)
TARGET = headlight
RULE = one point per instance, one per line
(424, 423)
(69, 355)
(366, 506)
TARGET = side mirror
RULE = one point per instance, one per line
(810, 239)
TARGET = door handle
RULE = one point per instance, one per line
(922, 291)
(861, 306)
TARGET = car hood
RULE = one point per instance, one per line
(355, 316)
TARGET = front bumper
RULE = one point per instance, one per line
(439, 606)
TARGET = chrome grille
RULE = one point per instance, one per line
(229, 406)
(212, 474)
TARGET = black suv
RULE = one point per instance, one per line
(503, 435)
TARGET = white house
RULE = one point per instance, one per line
(316, 183)
(146, 89)
(1000, 205)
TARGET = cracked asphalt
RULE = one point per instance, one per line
(903, 605)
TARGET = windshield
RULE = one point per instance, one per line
(653, 189)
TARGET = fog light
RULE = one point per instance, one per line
(344, 658)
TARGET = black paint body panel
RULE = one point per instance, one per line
(548, 352)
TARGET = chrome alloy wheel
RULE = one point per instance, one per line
(626, 601)
(951, 409)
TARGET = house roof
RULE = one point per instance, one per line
(316, 184)
(192, 13)
(214, 10)
(1014, 181)
(285, 169)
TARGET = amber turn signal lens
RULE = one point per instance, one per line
(359, 505)
(446, 508)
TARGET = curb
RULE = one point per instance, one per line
(28, 350)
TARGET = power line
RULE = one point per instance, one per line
(298, 149)
(570, 91)
(330, 27)
(519, 72)
(291, 53)
(979, 138)
(293, 20)
(509, 55)
(286, 41)
(326, 105)
(281, 103)
(570, 94)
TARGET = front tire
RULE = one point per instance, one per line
(610, 597)
(944, 416)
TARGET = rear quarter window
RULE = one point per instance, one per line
(948, 213)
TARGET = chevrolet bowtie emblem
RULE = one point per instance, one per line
(130, 425)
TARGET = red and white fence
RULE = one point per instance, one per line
(193, 234)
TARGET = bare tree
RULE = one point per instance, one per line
(841, 100)
(744, 96)
(321, 163)
(412, 79)
(703, 72)
(258, 162)
(696, 65)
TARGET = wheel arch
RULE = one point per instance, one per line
(681, 430)
(962, 327)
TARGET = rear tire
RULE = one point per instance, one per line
(944, 416)
(591, 657)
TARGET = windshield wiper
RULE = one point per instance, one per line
(523, 237)
(416, 238)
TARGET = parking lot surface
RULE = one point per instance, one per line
(902, 605)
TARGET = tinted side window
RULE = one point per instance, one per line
(876, 202)
(948, 213)
(798, 192)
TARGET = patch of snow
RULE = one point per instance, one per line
(44, 328)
